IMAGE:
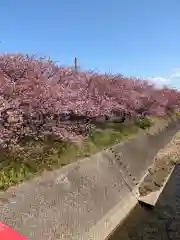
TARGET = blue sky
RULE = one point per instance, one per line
(133, 37)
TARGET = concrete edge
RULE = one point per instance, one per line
(152, 198)
(104, 229)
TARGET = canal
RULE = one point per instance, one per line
(160, 222)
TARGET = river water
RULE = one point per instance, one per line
(159, 223)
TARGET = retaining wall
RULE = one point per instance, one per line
(87, 199)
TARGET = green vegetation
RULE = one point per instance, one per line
(32, 157)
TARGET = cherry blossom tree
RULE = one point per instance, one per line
(39, 98)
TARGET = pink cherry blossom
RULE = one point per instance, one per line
(39, 98)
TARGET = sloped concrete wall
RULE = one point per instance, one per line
(136, 156)
(87, 199)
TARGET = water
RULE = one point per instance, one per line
(161, 222)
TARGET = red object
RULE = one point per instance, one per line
(7, 233)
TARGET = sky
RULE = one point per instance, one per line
(138, 38)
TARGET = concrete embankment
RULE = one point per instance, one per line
(86, 199)
(161, 223)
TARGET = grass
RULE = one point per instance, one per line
(33, 157)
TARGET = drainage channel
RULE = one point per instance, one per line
(160, 222)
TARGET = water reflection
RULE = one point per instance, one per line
(162, 222)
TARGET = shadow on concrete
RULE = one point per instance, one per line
(160, 222)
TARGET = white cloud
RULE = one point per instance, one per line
(176, 73)
(159, 80)
(173, 80)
